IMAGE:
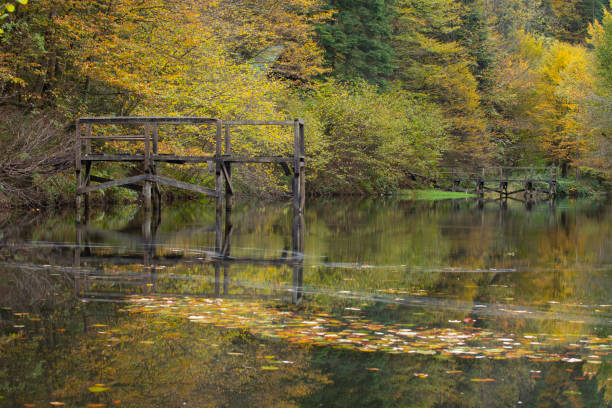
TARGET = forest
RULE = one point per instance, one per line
(386, 87)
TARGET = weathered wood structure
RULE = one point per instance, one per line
(149, 180)
(503, 181)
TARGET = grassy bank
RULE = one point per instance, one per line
(432, 194)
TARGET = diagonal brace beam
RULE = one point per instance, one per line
(180, 184)
(112, 183)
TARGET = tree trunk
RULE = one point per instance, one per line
(564, 167)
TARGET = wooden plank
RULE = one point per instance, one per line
(114, 157)
(172, 158)
(99, 179)
(114, 137)
(113, 183)
(146, 119)
(261, 159)
(259, 122)
(180, 184)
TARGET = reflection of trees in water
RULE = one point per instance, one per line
(561, 255)
(153, 361)
(449, 382)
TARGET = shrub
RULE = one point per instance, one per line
(362, 140)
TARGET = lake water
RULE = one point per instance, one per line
(374, 303)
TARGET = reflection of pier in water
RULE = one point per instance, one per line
(153, 261)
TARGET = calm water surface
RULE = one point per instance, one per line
(358, 303)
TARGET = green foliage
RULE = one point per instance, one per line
(432, 61)
(356, 39)
(364, 141)
(572, 188)
(572, 18)
(459, 81)
(431, 195)
(9, 8)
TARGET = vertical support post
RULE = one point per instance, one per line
(501, 182)
(146, 190)
(531, 183)
(218, 165)
(550, 183)
(452, 179)
(156, 191)
(302, 168)
(229, 198)
(296, 166)
(482, 182)
(88, 164)
(78, 168)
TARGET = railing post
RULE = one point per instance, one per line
(229, 198)
(219, 164)
(78, 168)
(302, 168)
(88, 164)
(156, 191)
(296, 165)
(482, 181)
(501, 182)
(146, 190)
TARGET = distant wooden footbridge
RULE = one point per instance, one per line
(146, 152)
(506, 182)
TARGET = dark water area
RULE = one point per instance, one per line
(373, 303)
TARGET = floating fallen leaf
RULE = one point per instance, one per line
(269, 368)
(373, 369)
(98, 388)
(421, 375)
(96, 405)
(56, 403)
(569, 392)
(482, 380)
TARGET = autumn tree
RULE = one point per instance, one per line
(276, 36)
(431, 60)
(572, 18)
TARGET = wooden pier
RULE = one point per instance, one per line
(148, 136)
(532, 182)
